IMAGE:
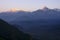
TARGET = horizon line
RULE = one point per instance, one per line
(16, 9)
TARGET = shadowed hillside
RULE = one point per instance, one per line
(9, 32)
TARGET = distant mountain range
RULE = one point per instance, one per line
(34, 15)
(42, 24)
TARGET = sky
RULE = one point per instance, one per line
(28, 5)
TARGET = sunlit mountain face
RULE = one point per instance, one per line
(14, 9)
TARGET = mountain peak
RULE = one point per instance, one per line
(45, 8)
